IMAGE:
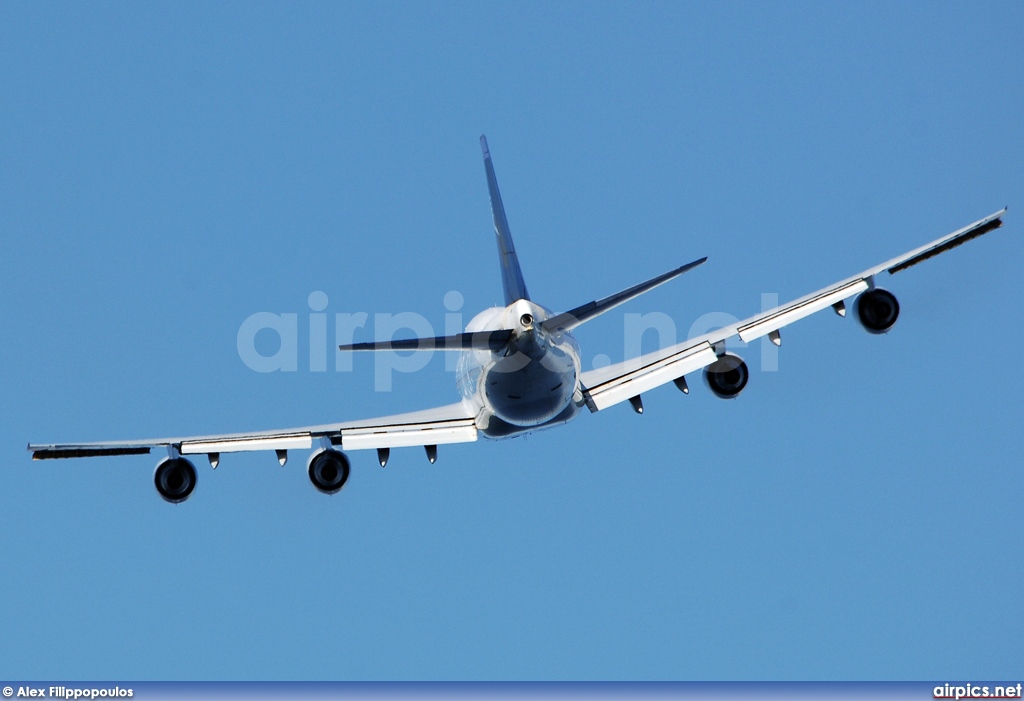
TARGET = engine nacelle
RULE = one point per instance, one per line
(877, 310)
(175, 479)
(328, 470)
(727, 376)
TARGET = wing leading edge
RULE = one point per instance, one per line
(610, 385)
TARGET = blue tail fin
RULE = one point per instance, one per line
(511, 276)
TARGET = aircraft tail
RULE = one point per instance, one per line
(511, 275)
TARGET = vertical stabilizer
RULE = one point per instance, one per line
(511, 275)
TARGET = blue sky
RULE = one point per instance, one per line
(170, 169)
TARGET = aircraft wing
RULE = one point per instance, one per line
(448, 424)
(610, 385)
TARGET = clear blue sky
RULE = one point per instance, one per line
(166, 170)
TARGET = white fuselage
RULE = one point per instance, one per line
(532, 383)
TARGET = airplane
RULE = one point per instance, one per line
(520, 371)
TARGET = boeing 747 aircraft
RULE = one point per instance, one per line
(520, 371)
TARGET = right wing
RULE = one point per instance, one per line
(610, 385)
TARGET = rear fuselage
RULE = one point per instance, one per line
(532, 383)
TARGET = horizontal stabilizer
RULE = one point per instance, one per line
(566, 321)
(493, 341)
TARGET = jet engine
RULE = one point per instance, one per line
(175, 479)
(877, 310)
(727, 376)
(328, 470)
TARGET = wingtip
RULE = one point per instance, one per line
(483, 146)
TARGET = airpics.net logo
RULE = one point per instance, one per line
(270, 342)
(977, 691)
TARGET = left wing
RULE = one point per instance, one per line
(431, 427)
(610, 385)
